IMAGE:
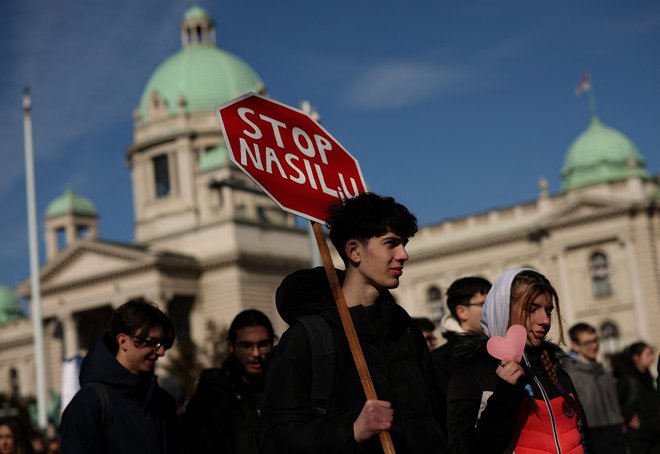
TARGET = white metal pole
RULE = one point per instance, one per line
(35, 306)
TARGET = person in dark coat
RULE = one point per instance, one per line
(222, 416)
(465, 298)
(120, 409)
(597, 390)
(638, 400)
(370, 234)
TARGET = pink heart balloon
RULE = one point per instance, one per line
(510, 346)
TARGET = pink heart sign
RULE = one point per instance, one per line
(510, 346)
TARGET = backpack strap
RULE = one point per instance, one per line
(323, 360)
(102, 391)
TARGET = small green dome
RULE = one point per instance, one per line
(601, 154)
(10, 307)
(70, 203)
(196, 12)
(200, 73)
(214, 158)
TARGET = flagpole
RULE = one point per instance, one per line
(35, 306)
(592, 97)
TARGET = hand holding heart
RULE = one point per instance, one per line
(509, 351)
(510, 346)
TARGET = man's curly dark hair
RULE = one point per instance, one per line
(365, 216)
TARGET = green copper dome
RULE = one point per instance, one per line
(214, 158)
(200, 73)
(70, 203)
(10, 307)
(601, 154)
(196, 12)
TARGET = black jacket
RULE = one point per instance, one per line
(398, 361)
(637, 397)
(443, 366)
(474, 380)
(222, 417)
(141, 416)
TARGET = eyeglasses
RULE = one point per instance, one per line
(263, 346)
(153, 343)
(589, 342)
(474, 304)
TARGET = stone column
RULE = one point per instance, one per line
(70, 331)
(638, 294)
(564, 288)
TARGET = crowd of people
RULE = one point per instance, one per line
(305, 394)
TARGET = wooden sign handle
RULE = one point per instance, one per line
(349, 329)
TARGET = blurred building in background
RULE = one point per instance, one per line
(597, 240)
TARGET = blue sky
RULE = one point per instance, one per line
(451, 107)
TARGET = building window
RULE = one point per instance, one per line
(82, 231)
(610, 341)
(600, 274)
(60, 235)
(162, 176)
(14, 382)
(434, 302)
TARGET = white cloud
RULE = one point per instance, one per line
(399, 84)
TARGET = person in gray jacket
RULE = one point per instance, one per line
(596, 388)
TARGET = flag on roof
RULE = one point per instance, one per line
(584, 85)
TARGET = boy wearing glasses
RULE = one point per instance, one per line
(596, 388)
(370, 234)
(120, 408)
(222, 416)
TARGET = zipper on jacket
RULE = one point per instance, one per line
(546, 399)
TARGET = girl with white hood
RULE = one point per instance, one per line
(527, 405)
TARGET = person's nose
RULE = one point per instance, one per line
(402, 254)
(544, 318)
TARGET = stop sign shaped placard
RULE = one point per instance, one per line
(289, 155)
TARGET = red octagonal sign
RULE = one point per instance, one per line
(289, 155)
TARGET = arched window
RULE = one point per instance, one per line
(600, 274)
(434, 302)
(610, 343)
(14, 382)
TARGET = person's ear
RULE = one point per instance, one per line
(352, 249)
(462, 313)
(122, 341)
(230, 347)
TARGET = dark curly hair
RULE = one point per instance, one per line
(366, 216)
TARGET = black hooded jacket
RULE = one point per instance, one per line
(141, 417)
(222, 416)
(398, 361)
(483, 410)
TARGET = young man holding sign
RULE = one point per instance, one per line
(314, 401)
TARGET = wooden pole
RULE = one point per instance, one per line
(349, 329)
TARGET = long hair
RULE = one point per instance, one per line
(527, 286)
(19, 433)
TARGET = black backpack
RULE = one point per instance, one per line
(102, 392)
(322, 346)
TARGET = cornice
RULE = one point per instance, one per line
(532, 232)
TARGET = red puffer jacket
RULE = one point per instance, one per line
(550, 428)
